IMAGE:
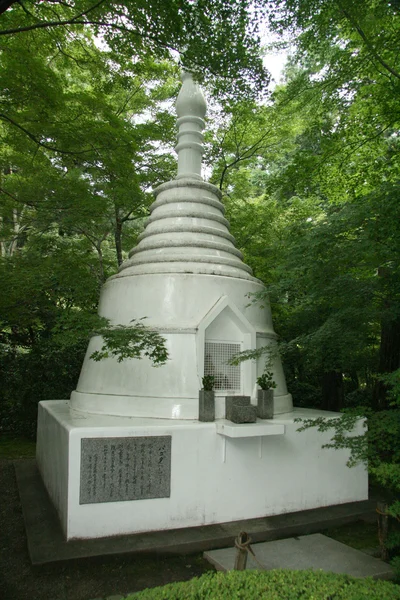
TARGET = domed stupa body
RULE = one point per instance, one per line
(187, 278)
(128, 453)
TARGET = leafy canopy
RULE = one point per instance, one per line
(214, 37)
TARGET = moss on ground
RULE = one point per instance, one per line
(358, 535)
(12, 447)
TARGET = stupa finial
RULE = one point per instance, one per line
(191, 109)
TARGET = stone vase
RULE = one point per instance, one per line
(265, 404)
(206, 405)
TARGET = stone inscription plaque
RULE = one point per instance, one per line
(122, 469)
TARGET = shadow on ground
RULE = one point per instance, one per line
(78, 579)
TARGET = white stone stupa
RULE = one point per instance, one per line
(188, 279)
(127, 453)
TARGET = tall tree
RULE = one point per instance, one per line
(81, 148)
(215, 37)
(318, 218)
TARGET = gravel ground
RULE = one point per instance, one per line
(80, 579)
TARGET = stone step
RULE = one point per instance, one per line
(314, 551)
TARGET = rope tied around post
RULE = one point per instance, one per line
(242, 544)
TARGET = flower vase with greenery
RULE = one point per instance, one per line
(207, 399)
(265, 396)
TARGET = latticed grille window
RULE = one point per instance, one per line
(216, 363)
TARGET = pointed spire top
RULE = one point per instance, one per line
(191, 109)
(190, 100)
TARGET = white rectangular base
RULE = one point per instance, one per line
(219, 473)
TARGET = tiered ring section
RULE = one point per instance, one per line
(186, 233)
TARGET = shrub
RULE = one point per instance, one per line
(46, 372)
(273, 585)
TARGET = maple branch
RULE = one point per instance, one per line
(367, 42)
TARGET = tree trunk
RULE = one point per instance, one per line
(383, 528)
(118, 240)
(354, 380)
(332, 391)
(389, 359)
(102, 276)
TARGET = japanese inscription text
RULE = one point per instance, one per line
(121, 469)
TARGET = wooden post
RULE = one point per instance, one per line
(241, 543)
(383, 528)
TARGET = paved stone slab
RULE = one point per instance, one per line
(46, 543)
(315, 551)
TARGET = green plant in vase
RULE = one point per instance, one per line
(265, 396)
(208, 382)
(207, 399)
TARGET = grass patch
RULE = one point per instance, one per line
(14, 447)
(358, 535)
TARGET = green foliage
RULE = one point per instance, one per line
(311, 189)
(48, 368)
(44, 372)
(378, 448)
(395, 562)
(266, 382)
(392, 382)
(119, 341)
(248, 355)
(218, 39)
(78, 135)
(274, 585)
(342, 428)
(208, 382)
(310, 183)
(134, 341)
(270, 352)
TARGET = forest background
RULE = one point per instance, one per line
(309, 172)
